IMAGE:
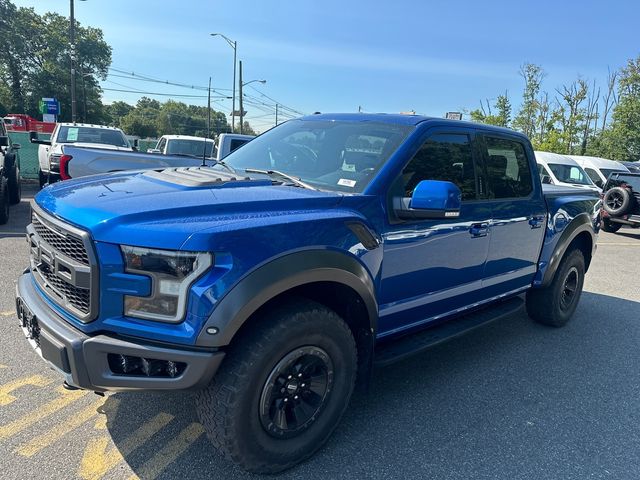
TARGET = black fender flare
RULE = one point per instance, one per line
(279, 276)
(579, 224)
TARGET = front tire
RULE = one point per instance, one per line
(282, 388)
(15, 188)
(42, 179)
(555, 304)
(4, 200)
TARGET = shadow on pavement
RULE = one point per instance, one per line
(511, 400)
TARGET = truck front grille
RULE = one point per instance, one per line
(63, 264)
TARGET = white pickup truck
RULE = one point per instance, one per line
(50, 152)
(79, 161)
(193, 146)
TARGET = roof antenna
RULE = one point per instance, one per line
(204, 150)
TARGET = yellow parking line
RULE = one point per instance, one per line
(97, 461)
(5, 390)
(57, 432)
(169, 453)
(3, 366)
(8, 313)
(65, 398)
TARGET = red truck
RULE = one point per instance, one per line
(18, 122)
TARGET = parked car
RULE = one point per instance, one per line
(598, 168)
(633, 167)
(50, 155)
(269, 284)
(558, 169)
(621, 202)
(10, 189)
(76, 161)
(193, 146)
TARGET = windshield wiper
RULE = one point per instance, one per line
(276, 173)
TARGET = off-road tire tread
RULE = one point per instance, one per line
(4, 200)
(216, 403)
(542, 304)
(14, 185)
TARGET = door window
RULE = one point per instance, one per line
(445, 157)
(508, 168)
(593, 175)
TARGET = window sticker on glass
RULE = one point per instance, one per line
(72, 135)
(345, 182)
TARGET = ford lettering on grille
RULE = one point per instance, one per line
(61, 262)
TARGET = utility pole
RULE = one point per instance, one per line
(276, 114)
(72, 39)
(241, 107)
(233, 106)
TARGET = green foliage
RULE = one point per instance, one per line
(150, 118)
(36, 59)
(502, 118)
(525, 119)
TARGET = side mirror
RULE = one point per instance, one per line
(431, 199)
(153, 150)
(17, 146)
(136, 143)
(4, 141)
(546, 179)
(33, 138)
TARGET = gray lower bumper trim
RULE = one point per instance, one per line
(82, 360)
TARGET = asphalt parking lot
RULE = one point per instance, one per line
(511, 400)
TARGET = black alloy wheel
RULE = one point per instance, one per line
(296, 391)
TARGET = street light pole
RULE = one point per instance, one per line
(241, 109)
(72, 39)
(233, 44)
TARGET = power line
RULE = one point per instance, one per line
(158, 93)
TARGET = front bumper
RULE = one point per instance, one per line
(82, 360)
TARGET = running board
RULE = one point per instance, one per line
(420, 341)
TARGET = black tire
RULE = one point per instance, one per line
(609, 226)
(4, 200)
(554, 305)
(15, 188)
(239, 409)
(616, 201)
(42, 179)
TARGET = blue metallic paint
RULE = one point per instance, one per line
(425, 269)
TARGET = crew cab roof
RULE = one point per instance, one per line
(404, 119)
(186, 137)
(88, 125)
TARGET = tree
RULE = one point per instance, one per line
(623, 140)
(525, 119)
(36, 60)
(571, 98)
(502, 118)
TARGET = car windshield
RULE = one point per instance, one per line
(104, 136)
(608, 171)
(331, 155)
(193, 148)
(570, 174)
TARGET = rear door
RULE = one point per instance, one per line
(518, 213)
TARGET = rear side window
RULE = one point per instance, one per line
(236, 143)
(507, 168)
(445, 157)
(593, 175)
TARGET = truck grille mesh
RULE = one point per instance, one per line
(68, 244)
(54, 250)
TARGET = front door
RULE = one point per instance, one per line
(433, 267)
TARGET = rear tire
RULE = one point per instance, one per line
(261, 414)
(4, 200)
(609, 226)
(555, 304)
(15, 188)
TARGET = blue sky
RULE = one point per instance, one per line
(331, 55)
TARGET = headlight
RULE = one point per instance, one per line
(171, 272)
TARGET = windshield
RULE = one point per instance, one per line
(333, 155)
(570, 174)
(608, 171)
(193, 148)
(69, 134)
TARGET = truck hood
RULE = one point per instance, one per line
(59, 147)
(161, 209)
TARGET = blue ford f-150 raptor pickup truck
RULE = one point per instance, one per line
(271, 281)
